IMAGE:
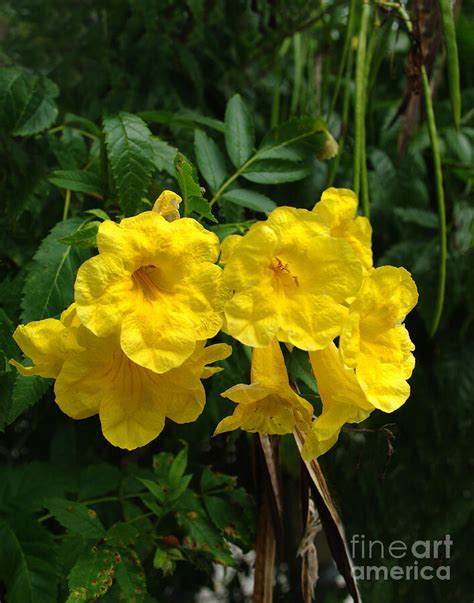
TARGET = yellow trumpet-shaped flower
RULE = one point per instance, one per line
(342, 398)
(94, 376)
(268, 404)
(289, 279)
(154, 284)
(338, 210)
(373, 340)
(167, 205)
(46, 342)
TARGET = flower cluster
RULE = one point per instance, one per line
(306, 278)
(132, 346)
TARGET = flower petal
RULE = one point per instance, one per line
(104, 292)
(46, 343)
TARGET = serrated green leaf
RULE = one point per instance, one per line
(164, 156)
(27, 391)
(154, 488)
(187, 178)
(131, 157)
(201, 534)
(239, 131)
(98, 479)
(276, 171)
(84, 236)
(26, 102)
(212, 481)
(121, 534)
(78, 181)
(210, 160)
(185, 119)
(131, 578)
(178, 467)
(421, 217)
(27, 561)
(250, 199)
(76, 517)
(179, 487)
(93, 574)
(26, 486)
(48, 288)
(98, 213)
(202, 207)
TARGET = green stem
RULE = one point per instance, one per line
(359, 112)
(344, 121)
(67, 203)
(63, 127)
(430, 118)
(345, 55)
(96, 501)
(298, 73)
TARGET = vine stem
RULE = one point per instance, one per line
(67, 203)
(96, 501)
(359, 113)
(430, 118)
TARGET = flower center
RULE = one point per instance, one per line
(282, 271)
(147, 279)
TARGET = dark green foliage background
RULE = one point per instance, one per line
(183, 61)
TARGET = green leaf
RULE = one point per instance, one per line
(154, 488)
(71, 119)
(185, 119)
(98, 479)
(48, 288)
(201, 534)
(27, 391)
(131, 156)
(78, 181)
(121, 534)
(276, 171)
(187, 178)
(178, 467)
(93, 574)
(239, 131)
(210, 160)
(202, 207)
(164, 156)
(165, 558)
(76, 517)
(84, 236)
(26, 102)
(27, 561)
(179, 487)
(98, 213)
(250, 199)
(212, 481)
(131, 578)
(307, 136)
(421, 217)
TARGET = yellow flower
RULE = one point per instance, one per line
(155, 284)
(338, 210)
(46, 342)
(342, 398)
(94, 376)
(268, 405)
(373, 340)
(290, 279)
(167, 205)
